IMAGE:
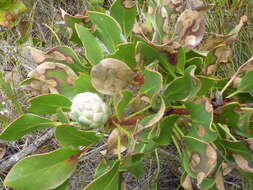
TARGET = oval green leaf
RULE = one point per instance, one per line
(93, 52)
(43, 172)
(72, 137)
(107, 181)
(48, 104)
(25, 124)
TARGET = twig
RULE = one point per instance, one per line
(93, 151)
(5, 165)
(171, 156)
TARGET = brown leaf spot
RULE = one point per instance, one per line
(226, 168)
(201, 131)
(250, 143)
(219, 181)
(208, 107)
(128, 4)
(200, 177)
(194, 161)
(187, 184)
(211, 155)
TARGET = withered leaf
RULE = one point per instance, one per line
(218, 39)
(128, 3)
(112, 142)
(51, 78)
(242, 163)
(187, 184)
(190, 28)
(219, 181)
(110, 76)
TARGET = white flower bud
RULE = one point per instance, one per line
(89, 109)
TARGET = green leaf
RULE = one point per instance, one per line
(126, 53)
(148, 54)
(154, 118)
(93, 52)
(134, 163)
(83, 84)
(198, 62)
(239, 147)
(107, 29)
(43, 172)
(207, 83)
(124, 101)
(61, 116)
(152, 82)
(246, 85)
(103, 166)
(48, 104)
(70, 21)
(166, 127)
(25, 124)
(145, 140)
(107, 181)
(125, 16)
(181, 60)
(201, 112)
(72, 137)
(183, 88)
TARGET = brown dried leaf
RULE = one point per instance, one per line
(38, 56)
(48, 84)
(236, 82)
(187, 183)
(200, 177)
(195, 161)
(219, 181)
(211, 157)
(59, 56)
(226, 168)
(190, 28)
(242, 163)
(110, 76)
(141, 28)
(218, 39)
(128, 3)
(112, 142)
(176, 5)
(223, 53)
